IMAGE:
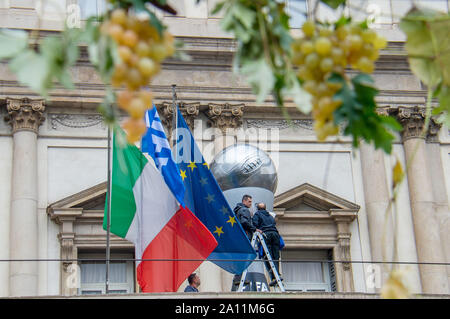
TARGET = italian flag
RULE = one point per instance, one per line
(145, 212)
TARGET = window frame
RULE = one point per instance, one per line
(129, 286)
(324, 286)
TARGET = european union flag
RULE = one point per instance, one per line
(205, 199)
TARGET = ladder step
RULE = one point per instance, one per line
(259, 236)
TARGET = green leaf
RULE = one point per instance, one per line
(333, 3)
(217, 8)
(12, 42)
(259, 75)
(358, 112)
(444, 106)
(428, 45)
(32, 70)
(246, 16)
(302, 98)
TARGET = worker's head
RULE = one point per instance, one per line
(247, 201)
(194, 280)
(261, 206)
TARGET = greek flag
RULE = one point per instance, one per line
(155, 143)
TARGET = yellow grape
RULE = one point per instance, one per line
(124, 99)
(158, 52)
(310, 86)
(312, 60)
(136, 108)
(307, 47)
(379, 43)
(147, 67)
(368, 35)
(323, 46)
(135, 128)
(119, 16)
(147, 98)
(365, 65)
(309, 28)
(125, 53)
(115, 31)
(326, 65)
(354, 42)
(134, 79)
(130, 38)
(143, 49)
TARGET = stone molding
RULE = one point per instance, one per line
(25, 114)
(223, 116)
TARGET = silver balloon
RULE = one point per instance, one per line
(244, 165)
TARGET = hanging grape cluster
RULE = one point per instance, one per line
(323, 50)
(141, 50)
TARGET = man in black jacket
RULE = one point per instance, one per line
(244, 217)
(264, 221)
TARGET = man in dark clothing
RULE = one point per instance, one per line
(264, 221)
(194, 282)
(244, 217)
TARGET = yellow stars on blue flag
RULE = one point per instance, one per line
(183, 174)
(219, 231)
(192, 166)
(231, 220)
(206, 164)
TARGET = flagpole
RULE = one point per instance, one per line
(174, 119)
(108, 214)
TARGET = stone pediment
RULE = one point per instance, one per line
(306, 198)
(92, 198)
(307, 195)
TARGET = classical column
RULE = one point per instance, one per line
(376, 196)
(426, 227)
(439, 188)
(24, 116)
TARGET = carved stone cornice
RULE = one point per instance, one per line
(225, 116)
(25, 114)
(413, 120)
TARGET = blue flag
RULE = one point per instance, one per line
(155, 143)
(205, 199)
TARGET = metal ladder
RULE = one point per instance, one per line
(259, 236)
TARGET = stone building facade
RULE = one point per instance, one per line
(331, 200)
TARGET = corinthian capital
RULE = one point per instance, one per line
(225, 116)
(189, 111)
(25, 114)
(413, 121)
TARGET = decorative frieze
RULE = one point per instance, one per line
(223, 116)
(76, 121)
(25, 114)
(280, 124)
